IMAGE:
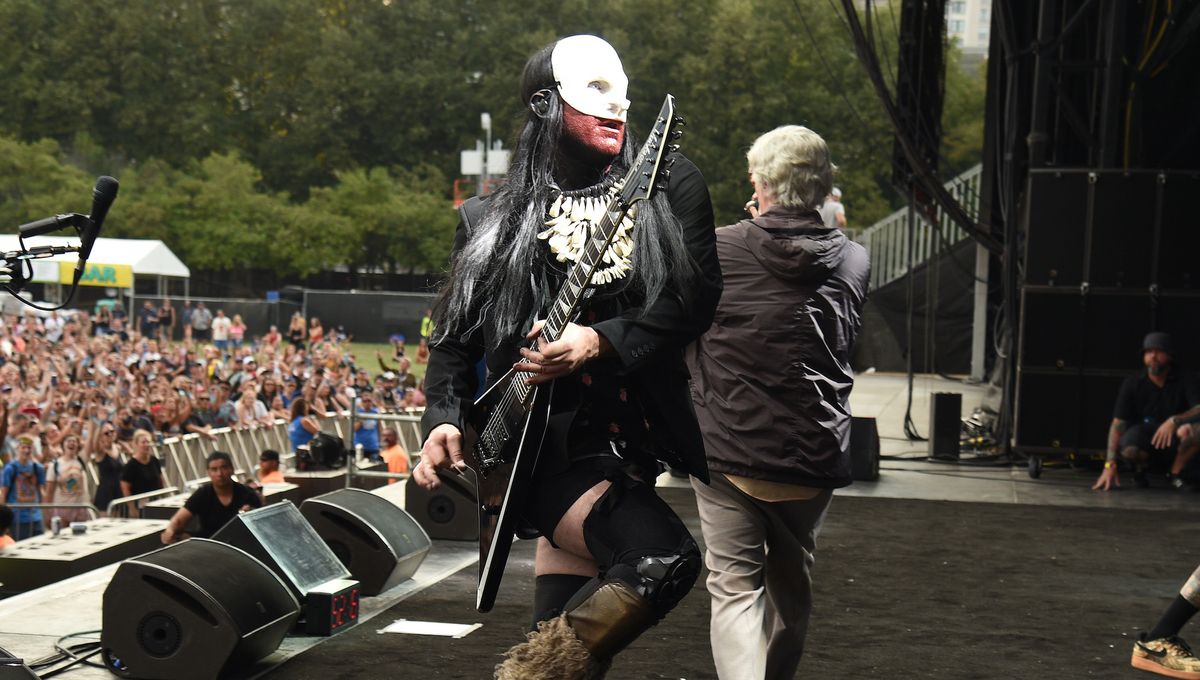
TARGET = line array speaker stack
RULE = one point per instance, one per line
(1109, 257)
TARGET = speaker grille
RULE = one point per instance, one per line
(440, 509)
(159, 634)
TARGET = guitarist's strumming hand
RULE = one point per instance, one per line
(574, 346)
(443, 449)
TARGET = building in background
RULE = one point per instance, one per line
(969, 23)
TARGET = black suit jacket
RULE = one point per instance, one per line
(649, 345)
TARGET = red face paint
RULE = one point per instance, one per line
(600, 136)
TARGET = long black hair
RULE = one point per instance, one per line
(497, 280)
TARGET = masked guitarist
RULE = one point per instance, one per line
(612, 557)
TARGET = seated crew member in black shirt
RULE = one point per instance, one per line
(213, 504)
(1151, 419)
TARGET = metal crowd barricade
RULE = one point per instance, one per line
(93, 510)
(123, 504)
(413, 419)
(410, 436)
(184, 455)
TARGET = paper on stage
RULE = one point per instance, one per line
(454, 630)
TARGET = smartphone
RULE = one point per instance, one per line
(54, 379)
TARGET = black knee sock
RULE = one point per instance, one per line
(551, 592)
(1173, 619)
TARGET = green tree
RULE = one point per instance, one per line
(36, 182)
(396, 224)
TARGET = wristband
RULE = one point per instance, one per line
(1109, 464)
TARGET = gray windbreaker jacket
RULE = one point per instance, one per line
(771, 378)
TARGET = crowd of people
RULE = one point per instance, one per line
(79, 388)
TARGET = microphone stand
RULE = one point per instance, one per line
(16, 271)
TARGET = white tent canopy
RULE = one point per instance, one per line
(145, 257)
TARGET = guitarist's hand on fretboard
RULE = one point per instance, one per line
(443, 449)
(564, 356)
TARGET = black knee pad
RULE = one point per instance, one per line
(638, 539)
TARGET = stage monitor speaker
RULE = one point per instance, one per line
(448, 513)
(945, 424)
(864, 449)
(281, 538)
(376, 539)
(12, 668)
(193, 611)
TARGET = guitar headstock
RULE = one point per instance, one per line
(652, 167)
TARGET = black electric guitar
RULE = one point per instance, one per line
(508, 423)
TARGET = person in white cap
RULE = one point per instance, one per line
(612, 558)
(833, 212)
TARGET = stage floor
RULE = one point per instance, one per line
(904, 589)
(933, 571)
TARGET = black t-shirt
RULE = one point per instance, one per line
(1141, 401)
(142, 478)
(207, 508)
(109, 488)
(148, 318)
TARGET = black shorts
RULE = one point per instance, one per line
(1140, 437)
(554, 493)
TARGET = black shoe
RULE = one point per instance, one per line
(1140, 478)
(1179, 483)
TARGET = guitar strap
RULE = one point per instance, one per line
(470, 212)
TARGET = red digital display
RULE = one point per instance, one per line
(331, 607)
(343, 609)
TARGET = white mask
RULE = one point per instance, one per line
(590, 77)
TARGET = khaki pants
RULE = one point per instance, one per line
(759, 557)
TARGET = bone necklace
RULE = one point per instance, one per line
(569, 225)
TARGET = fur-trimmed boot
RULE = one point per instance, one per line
(580, 644)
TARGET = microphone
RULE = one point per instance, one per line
(103, 195)
(49, 224)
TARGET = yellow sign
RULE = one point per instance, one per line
(98, 274)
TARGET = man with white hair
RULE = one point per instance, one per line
(771, 385)
(833, 212)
